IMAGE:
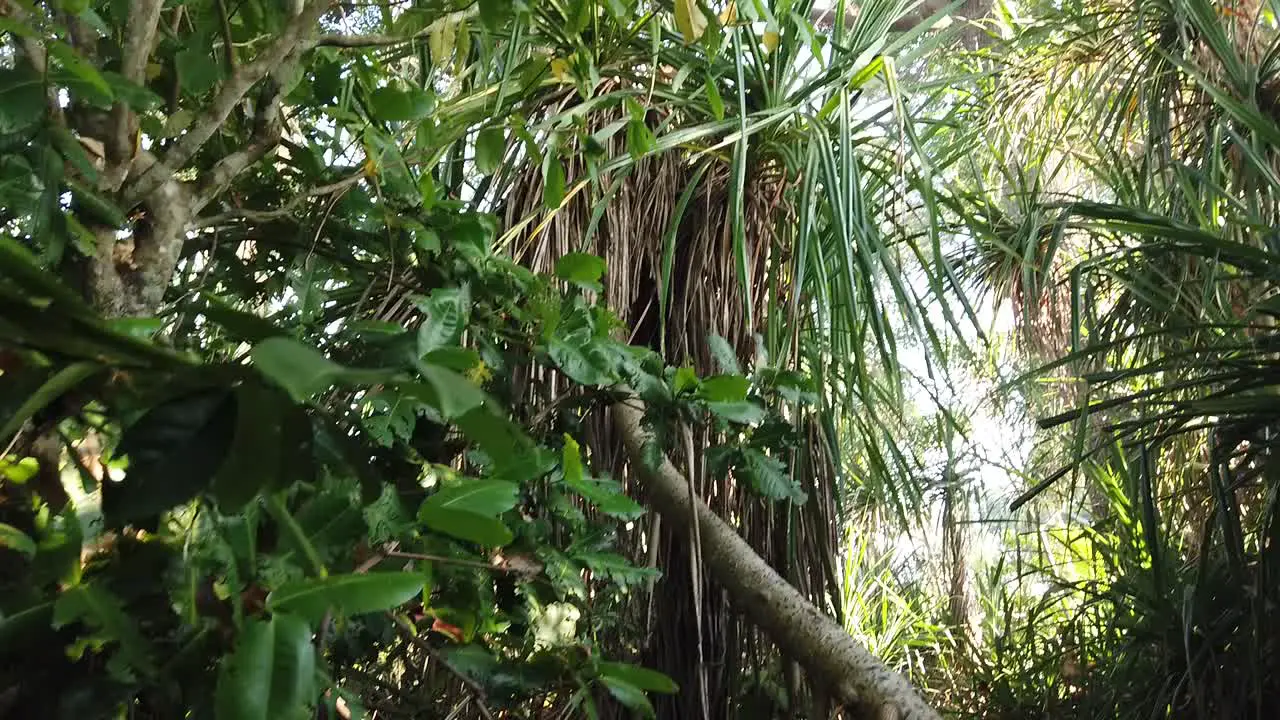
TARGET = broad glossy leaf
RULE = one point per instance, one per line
(346, 594)
(583, 269)
(482, 497)
(513, 455)
(573, 356)
(394, 105)
(174, 451)
(468, 526)
(607, 497)
(303, 371)
(628, 694)
(491, 145)
(22, 99)
(449, 393)
(724, 388)
(448, 311)
(641, 677)
(254, 458)
(685, 378)
(470, 511)
(241, 325)
(271, 673)
(552, 182)
(82, 69)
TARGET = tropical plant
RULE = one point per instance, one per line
(1130, 207)
(302, 300)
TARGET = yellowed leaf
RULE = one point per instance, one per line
(462, 43)
(560, 71)
(769, 40)
(729, 15)
(440, 43)
(689, 20)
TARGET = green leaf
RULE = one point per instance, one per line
(493, 13)
(746, 412)
(482, 497)
(302, 371)
(82, 69)
(571, 460)
(572, 355)
(582, 269)
(714, 100)
(552, 182)
(14, 539)
(174, 450)
(271, 673)
(392, 105)
(685, 379)
(626, 693)
(448, 311)
(613, 566)
(446, 391)
(469, 511)
(346, 595)
(640, 139)
(102, 612)
(514, 456)
(134, 95)
(454, 358)
(724, 388)
(724, 354)
(254, 458)
(579, 15)
(491, 145)
(22, 99)
(607, 497)
(240, 324)
(768, 475)
(641, 677)
(55, 387)
(198, 69)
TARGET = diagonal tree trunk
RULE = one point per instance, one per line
(830, 655)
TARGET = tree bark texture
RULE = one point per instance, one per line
(828, 653)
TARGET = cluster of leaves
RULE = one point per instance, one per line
(251, 485)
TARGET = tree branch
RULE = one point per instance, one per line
(140, 38)
(262, 216)
(228, 46)
(829, 654)
(293, 39)
(267, 130)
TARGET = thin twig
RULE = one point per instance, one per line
(411, 634)
(227, 43)
(447, 560)
(261, 216)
